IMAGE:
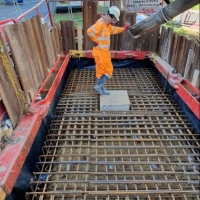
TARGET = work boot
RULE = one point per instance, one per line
(103, 79)
(103, 89)
(98, 87)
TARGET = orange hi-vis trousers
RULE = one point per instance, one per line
(103, 62)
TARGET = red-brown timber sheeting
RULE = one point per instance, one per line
(195, 64)
(34, 50)
(49, 45)
(89, 18)
(16, 35)
(8, 94)
(175, 49)
(68, 35)
(33, 60)
(41, 44)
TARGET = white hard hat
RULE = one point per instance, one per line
(114, 10)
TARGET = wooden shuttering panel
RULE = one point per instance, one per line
(147, 41)
(122, 41)
(55, 35)
(114, 40)
(8, 77)
(41, 50)
(52, 40)
(29, 45)
(195, 64)
(181, 40)
(153, 38)
(34, 51)
(125, 39)
(89, 18)
(48, 39)
(68, 35)
(16, 37)
(175, 49)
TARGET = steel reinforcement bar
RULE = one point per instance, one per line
(148, 152)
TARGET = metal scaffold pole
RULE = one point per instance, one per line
(17, 8)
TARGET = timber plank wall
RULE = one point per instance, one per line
(182, 53)
(35, 46)
(34, 49)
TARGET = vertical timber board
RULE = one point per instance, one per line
(55, 35)
(153, 39)
(188, 63)
(130, 18)
(34, 45)
(176, 53)
(168, 46)
(117, 3)
(195, 65)
(179, 53)
(164, 42)
(114, 41)
(80, 38)
(37, 27)
(195, 80)
(48, 45)
(145, 40)
(121, 39)
(89, 18)
(15, 37)
(32, 59)
(173, 50)
(141, 42)
(51, 42)
(68, 35)
(12, 104)
(171, 47)
(56, 40)
(160, 46)
(58, 37)
(185, 55)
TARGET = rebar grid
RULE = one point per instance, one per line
(149, 152)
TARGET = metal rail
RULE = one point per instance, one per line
(149, 152)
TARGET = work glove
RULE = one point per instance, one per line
(126, 26)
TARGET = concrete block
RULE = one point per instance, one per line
(117, 100)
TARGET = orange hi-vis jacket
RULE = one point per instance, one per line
(100, 33)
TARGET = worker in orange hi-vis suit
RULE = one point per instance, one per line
(100, 33)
